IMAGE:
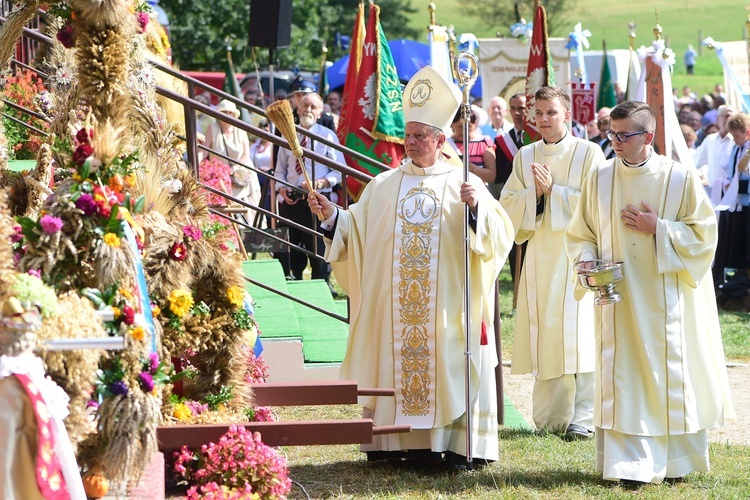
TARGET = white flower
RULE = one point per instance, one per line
(172, 186)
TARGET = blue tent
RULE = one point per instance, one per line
(409, 57)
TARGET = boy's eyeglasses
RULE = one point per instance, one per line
(622, 136)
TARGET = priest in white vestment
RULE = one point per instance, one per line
(554, 335)
(398, 252)
(661, 378)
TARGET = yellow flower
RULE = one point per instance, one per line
(236, 294)
(180, 302)
(137, 333)
(112, 239)
(125, 293)
(130, 180)
(116, 311)
(155, 310)
(182, 412)
(77, 177)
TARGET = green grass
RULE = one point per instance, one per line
(531, 466)
(683, 22)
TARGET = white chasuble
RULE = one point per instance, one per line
(415, 258)
(660, 365)
(554, 333)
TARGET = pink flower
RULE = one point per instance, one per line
(142, 19)
(50, 224)
(192, 232)
(35, 272)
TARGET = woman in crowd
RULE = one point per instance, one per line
(481, 152)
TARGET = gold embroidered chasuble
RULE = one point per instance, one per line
(660, 367)
(554, 333)
(398, 252)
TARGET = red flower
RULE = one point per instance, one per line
(82, 136)
(81, 153)
(178, 251)
(128, 315)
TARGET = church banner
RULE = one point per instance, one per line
(504, 62)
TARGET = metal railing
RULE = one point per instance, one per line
(26, 49)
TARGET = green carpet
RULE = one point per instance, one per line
(513, 418)
(275, 315)
(21, 165)
(323, 337)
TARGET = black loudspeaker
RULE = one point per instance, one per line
(270, 23)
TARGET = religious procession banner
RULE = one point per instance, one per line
(734, 59)
(504, 62)
(374, 121)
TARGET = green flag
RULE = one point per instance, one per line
(607, 96)
(232, 86)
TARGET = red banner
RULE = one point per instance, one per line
(374, 124)
(584, 102)
(539, 72)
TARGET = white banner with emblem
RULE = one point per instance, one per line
(503, 63)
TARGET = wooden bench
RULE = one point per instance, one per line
(312, 432)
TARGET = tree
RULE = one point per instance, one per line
(200, 31)
(501, 14)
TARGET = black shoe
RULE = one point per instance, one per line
(674, 480)
(385, 456)
(576, 432)
(424, 458)
(632, 484)
(455, 462)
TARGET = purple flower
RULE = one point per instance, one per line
(86, 204)
(17, 235)
(196, 407)
(147, 381)
(118, 388)
(192, 232)
(153, 362)
(35, 272)
(51, 224)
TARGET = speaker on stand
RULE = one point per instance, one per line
(271, 28)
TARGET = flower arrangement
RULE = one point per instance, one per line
(218, 175)
(238, 462)
(83, 220)
(113, 381)
(22, 89)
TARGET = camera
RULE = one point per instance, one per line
(294, 195)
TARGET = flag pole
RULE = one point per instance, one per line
(466, 79)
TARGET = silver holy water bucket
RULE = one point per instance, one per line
(601, 277)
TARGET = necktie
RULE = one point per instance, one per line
(735, 159)
(517, 137)
(297, 166)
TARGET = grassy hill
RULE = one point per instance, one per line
(683, 22)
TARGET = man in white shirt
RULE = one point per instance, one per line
(291, 187)
(498, 123)
(712, 156)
